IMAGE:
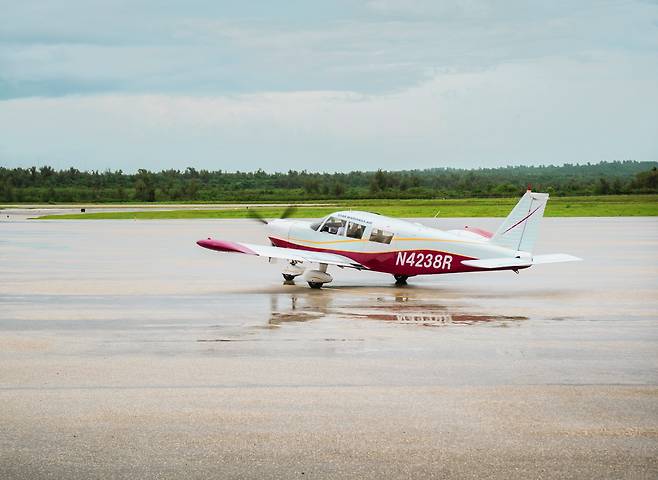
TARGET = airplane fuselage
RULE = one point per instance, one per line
(386, 244)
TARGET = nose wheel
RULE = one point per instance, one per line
(291, 271)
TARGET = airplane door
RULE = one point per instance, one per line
(354, 235)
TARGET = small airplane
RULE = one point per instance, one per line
(369, 241)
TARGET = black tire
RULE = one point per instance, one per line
(315, 284)
(401, 279)
(288, 278)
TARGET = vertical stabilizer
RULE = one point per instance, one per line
(520, 229)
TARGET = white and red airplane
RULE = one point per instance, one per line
(369, 241)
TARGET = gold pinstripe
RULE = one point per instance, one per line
(356, 240)
(290, 239)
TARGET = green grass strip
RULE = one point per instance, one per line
(594, 206)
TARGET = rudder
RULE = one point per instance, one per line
(520, 229)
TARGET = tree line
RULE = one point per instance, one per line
(46, 184)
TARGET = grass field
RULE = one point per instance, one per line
(594, 206)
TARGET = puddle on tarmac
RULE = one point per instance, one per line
(329, 311)
(400, 309)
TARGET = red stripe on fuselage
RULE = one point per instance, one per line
(479, 231)
(397, 262)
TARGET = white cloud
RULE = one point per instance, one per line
(329, 85)
(551, 110)
(71, 47)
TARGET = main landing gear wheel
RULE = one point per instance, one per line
(317, 278)
(401, 279)
(288, 278)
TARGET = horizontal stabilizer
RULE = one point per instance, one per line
(507, 262)
(498, 262)
(554, 258)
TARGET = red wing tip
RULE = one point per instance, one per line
(224, 246)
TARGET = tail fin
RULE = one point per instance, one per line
(520, 229)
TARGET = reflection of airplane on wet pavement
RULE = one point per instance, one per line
(299, 308)
(368, 241)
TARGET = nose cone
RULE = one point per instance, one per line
(279, 228)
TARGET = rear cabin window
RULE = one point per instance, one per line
(355, 230)
(380, 236)
(335, 226)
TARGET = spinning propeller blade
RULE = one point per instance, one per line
(290, 209)
(254, 215)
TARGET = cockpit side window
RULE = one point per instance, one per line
(335, 226)
(381, 236)
(355, 230)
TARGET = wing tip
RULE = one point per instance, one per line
(224, 246)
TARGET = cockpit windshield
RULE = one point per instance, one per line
(316, 225)
(339, 226)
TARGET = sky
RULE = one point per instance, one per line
(326, 85)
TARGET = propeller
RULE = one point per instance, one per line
(253, 214)
(290, 209)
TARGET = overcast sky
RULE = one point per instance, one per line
(326, 85)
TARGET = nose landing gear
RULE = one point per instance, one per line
(317, 278)
(291, 271)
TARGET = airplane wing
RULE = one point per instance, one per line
(490, 263)
(279, 252)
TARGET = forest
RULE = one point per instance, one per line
(45, 184)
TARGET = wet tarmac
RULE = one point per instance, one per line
(127, 351)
